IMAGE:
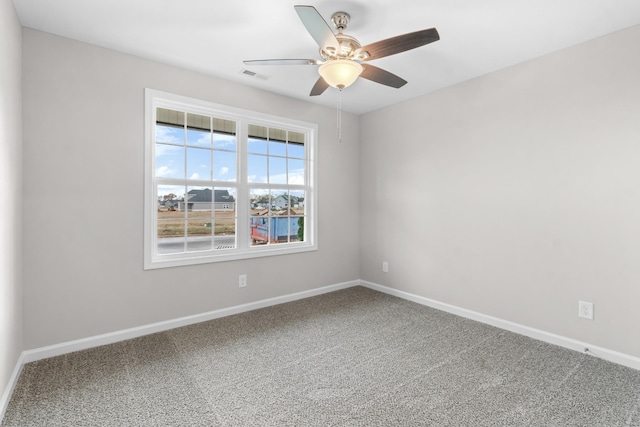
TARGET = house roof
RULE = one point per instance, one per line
(221, 196)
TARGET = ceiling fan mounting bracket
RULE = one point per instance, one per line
(340, 20)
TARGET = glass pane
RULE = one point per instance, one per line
(225, 202)
(170, 236)
(199, 235)
(259, 201)
(257, 139)
(199, 203)
(296, 150)
(198, 138)
(169, 134)
(170, 226)
(277, 170)
(168, 197)
(297, 229)
(197, 121)
(277, 135)
(173, 117)
(224, 165)
(280, 228)
(224, 141)
(257, 146)
(259, 230)
(225, 218)
(279, 200)
(169, 161)
(277, 148)
(198, 163)
(297, 201)
(257, 168)
(296, 172)
(225, 231)
(259, 222)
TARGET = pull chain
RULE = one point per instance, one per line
(339, 118)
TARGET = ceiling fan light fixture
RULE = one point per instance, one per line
(340, 73)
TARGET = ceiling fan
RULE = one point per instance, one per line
(343, 55)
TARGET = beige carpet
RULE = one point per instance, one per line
(350, 358)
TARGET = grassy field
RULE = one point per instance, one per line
(171, 223)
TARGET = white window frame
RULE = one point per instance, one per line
(152, 259)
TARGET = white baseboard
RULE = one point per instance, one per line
(112, 337)
(601, 352)
(13, 380)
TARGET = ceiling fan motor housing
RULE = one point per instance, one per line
(348, 44)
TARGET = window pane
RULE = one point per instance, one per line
(277, 170)
(257, 142)
(224, 141)
(169, 134)
(296, 172)
(277, 148)
(168, 195)
(279, 200)
(279, 228)
(297, 229)
(199, 203)
(225, 232)
(257, 169)
(199, 235)
(198, 163)
(259, 201)
(297, 201)
(296, 150)
(224, 218)
(224, 165)
(169, 161)
(259, 222)
(170, 225)
(198, 138)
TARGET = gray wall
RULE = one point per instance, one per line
(516, 194)
(83, 142)
(11, 179)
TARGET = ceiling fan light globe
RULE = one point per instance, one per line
(340, 73)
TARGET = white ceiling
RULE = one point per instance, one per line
(215, 36)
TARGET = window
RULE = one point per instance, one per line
(224, 184)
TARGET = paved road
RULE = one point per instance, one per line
(176, 244)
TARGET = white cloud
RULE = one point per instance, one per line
(165, 171)
(164, 150)
(224, 170)
(195, 175)
(166, 134)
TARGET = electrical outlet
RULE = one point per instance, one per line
(242, 281)
(385, 266)
(585, 310)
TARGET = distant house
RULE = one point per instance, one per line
(281, 202)
(200, 200)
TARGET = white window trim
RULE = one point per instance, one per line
(153, 260)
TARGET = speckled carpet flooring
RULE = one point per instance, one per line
(350, 358)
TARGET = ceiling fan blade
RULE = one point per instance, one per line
(283, 62)
(381, 76)
(317, 27)
(318, 88)
(398, 44)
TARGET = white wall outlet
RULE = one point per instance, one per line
(242, 281)
(385, 266)
(585, 310)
